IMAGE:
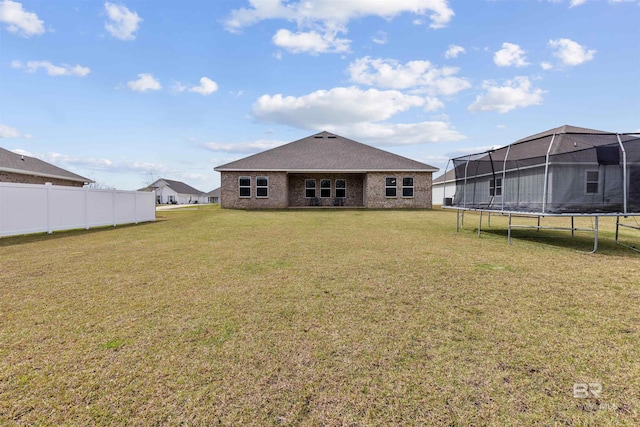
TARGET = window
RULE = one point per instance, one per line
(325, 188)
(391, 187)
(244, 186)
(309, 188)
(495, 187)
(158, 199)
(593, 179)
(341, 188)
(262, 186)
(407, 187)
(171, 199)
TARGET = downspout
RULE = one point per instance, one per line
(624, 174)
(546, 175)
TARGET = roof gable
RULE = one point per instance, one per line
(325, 152)
(17, 163)
(177, 186)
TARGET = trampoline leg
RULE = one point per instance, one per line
(480, 224)
(617, 230)
(509, 231)
(573, 229)
(457, 220)
(489, 219)
(595, 240)
(462, 222)
(538, 229)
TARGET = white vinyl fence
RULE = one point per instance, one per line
(35, 208)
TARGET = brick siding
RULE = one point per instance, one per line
(19, 178)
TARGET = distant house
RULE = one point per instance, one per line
(29, 170)
(325, 170)
(175, 192)
(444, 186)
(213, 196)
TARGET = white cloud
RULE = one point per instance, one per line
(9, 132)
(20, 21)
(387, 134)
(546, 65)
(330, 11)
(516, 93)
(310, 42)
(570, 52)
(338, 106)
(122, 22)
(381, 38)
(390, 74)
(356, 113)
(454, 51)
(206, 87)
(144, 83)
(575, 3)
(243, 147)
(510, 55)
(52, 70)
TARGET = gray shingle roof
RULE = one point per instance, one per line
(562, 130)
(449, 176)
(325, 152)
(214, 193)
(17, 163)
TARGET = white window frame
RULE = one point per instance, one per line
(412, 187)
(322, 181)
(315, 187)
(343, 189)
(388, 187)
(587, 182)
(241, 187)
(262, 187)
(495, 189)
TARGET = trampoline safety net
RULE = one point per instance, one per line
(556, 172)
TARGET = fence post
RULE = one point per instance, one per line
(86, 207)
(49, 187)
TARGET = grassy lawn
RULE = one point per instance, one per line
(317, 317)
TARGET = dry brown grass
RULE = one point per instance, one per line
(307, 317)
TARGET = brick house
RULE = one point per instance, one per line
(29, 170)
(325, 170)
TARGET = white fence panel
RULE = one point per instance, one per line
(23, 209)
(33, 208)
(66, 208)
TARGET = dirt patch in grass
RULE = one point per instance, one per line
(316, 318)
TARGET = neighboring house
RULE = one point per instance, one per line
(175, 192)
(29, 170)
(566, 170)
(325, 170)
(444, 186)
(213, 196)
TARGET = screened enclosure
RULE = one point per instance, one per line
(567, 170)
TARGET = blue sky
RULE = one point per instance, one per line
(127, 92)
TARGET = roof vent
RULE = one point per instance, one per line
(318, 136)
(332, 136)
(22, 158)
